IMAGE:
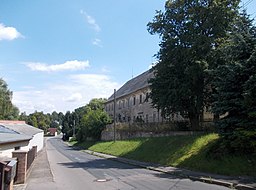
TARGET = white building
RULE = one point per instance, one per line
(17, 135)
(12, 141)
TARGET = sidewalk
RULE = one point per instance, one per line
(240, 183)
(40, 174)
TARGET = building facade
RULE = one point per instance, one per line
(133, 103)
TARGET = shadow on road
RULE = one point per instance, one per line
(98, 164)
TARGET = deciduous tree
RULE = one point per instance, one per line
(189, 30)
(7, 109)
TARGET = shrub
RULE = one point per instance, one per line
(239, 142)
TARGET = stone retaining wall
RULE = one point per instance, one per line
(125, 131)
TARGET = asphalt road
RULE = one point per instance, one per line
(73, 169)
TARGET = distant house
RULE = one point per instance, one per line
(133, 102)
(17, 135)
(52, 131)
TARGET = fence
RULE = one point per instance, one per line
(31, 156)
(25, 160)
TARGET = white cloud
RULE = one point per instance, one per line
(74, 98)
(8, 33)
(74, 91)
(68, 65)
(94, 81)
(30, 101)
(27, 87)
(91, 21)
(105, 69)
(97, 42)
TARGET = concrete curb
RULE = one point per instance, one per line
(19, 187)
(244, 187)
(194, 178)
(212, 181)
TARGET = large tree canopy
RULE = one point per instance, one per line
(94, 121)
(86, 122)
(7, 109)
(190, 30)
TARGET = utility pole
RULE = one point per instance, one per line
(114, 115)
(74, 131)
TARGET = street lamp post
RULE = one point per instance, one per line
(114, 115)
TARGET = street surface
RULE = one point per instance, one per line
(73, 169)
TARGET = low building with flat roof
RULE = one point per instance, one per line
(19, 136)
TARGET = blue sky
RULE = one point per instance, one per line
(59, 54)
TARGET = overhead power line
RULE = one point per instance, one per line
(247, 3)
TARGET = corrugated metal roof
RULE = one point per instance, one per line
(12, 137)
(22, 128)
(133, 85)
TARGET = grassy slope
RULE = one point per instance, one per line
(180, 151)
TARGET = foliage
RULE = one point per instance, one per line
(43, 121)
(94, 120)
(85, 122)
(190, 31)
(67, 125)
(97, 103)
(8, 111)
(39, 120)
(240, 142)
(235, 80)
(93, 123)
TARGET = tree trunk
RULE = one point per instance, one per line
(216, 117)
(194, 121)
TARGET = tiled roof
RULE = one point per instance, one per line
(133, 85)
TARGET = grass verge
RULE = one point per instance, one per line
(188, 152)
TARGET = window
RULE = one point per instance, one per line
(134, 100)
(141, 99)
(147, 97)
(154, 117)
(119, 103)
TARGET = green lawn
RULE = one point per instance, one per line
(180, 151)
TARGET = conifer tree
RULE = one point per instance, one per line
(235, 80)
(235, 90)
